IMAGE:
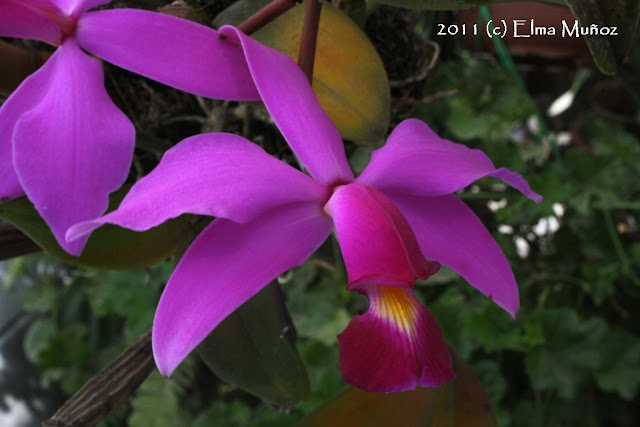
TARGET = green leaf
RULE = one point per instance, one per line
(486, 106)
(37, 339)
(570, 353)
(461, 403)
(493, 328)
(39, 299)
(608, 50)
(453, 320)
(495, 385)
(452, 4)
(240, 413)
(619, 371)
(156, 403)
(350, 82)
(253, 349)
(110, 246)
(66, 348)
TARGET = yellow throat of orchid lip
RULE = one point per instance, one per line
(397, 306)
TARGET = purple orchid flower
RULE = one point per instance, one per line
(63, 142)
(271, 217)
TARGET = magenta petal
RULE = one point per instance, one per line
(217, 174)
(395, 346)
(450, 233)
(288, 96)
(173, 51)
(375, 239)
(417, 161)
(226, 265)
(77, 7)
(24, 20)
(25, 97)
(74, 147)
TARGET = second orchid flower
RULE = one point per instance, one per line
(63, 142)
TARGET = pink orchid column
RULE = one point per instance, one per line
(63, 142)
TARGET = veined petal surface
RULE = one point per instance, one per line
(450, 233)
(173, 51)
(25, 97)
(415, 160)
(17, 19)
(225, 266)
(216, 174)
(288, 96)
(376, 241)
(74, 147)
(395, 346)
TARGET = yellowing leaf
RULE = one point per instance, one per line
(459, 403)
(109, 247)
(349, 78)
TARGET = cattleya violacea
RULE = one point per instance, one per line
(271, 217)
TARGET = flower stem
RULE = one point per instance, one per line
(17, 64)
(14, 243)
(266, 15)
(108, 389)
(307, 54)
(625, 263)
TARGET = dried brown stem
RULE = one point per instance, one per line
(14, 243)
(266, 15)
(108, 389)
(18, 63)
(422, 74)
(307, 54)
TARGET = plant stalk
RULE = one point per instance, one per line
(108, 389)
(307, 54)
(266, 15)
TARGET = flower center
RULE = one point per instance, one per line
(327, 205)
(66, 23)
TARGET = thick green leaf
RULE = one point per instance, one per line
(608, 50)
(459, 403)
(254, 349)
(453, 4)
(110, 246)
(349, 78)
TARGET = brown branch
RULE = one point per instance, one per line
(307, 54)
(14, 243)
(424, 71)
(266, 15)
(108, 389)
(427, 99)
(17, 63)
